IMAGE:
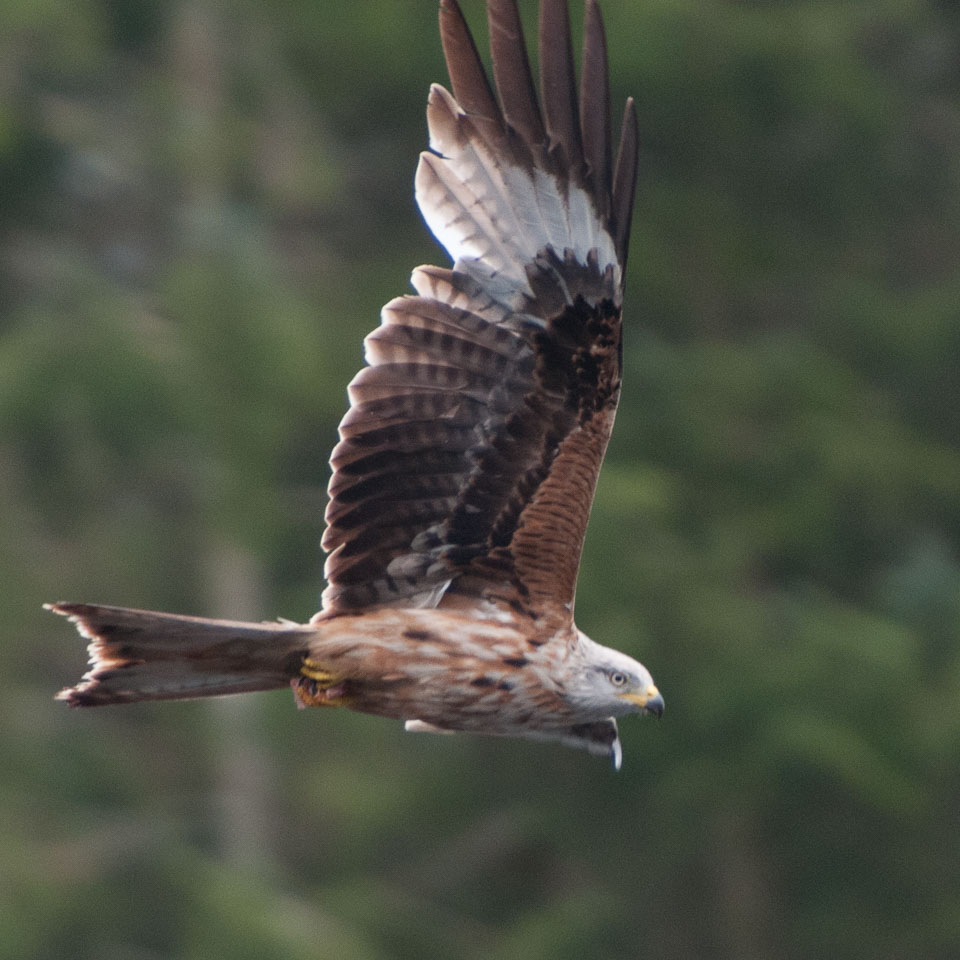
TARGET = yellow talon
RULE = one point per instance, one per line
(314, 671)
(318, 687)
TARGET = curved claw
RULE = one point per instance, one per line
(316, 687)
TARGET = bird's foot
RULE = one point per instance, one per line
(316, 687)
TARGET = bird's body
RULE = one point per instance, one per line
(487, 668)
(467, 462)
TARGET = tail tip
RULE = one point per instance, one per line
(66, 609)
(72, 697)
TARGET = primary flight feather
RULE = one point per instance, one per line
(467, 461)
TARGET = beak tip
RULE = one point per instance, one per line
(654, 706)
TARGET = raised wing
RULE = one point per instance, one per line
(469, 456)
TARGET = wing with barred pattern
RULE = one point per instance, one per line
(470, 452)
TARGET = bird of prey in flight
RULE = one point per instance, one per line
(468, 457)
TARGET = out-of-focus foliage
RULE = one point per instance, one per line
(202, 207)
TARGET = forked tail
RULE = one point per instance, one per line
(142, 655)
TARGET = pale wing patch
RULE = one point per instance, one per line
(493, 216)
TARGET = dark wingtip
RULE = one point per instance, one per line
(511, 71)
(469, 80)
(595, 109)
(625, 180)
(558, 87)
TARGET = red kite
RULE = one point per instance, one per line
(467, 461)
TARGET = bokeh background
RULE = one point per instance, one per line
(203, 204)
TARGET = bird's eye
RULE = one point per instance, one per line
(618, 679)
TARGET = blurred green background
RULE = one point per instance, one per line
(202, 207)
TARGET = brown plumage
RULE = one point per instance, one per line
(467, 462)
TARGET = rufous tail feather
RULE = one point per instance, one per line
(143, 655)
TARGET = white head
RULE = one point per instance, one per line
(607, 683)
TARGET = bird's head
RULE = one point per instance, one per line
(610, 684)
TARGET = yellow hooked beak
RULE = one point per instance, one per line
(649, 701)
